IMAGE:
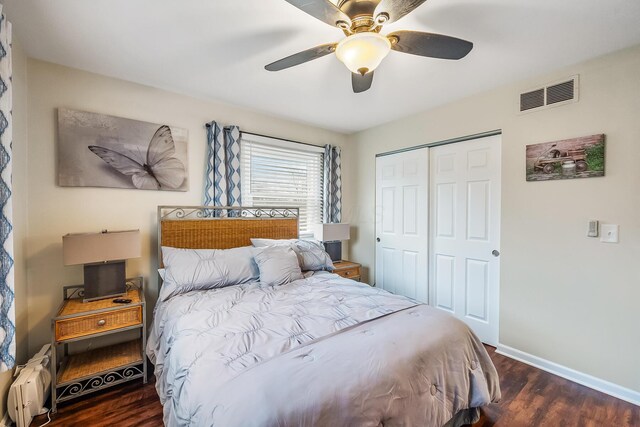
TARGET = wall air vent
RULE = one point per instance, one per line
(533, 99)
(560, 92)
(551, 95)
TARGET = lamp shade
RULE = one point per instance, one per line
(331, 232)
(363, 52)
(87, 248)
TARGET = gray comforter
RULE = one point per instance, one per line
(319, 351)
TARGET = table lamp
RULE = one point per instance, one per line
(103, 255)
(332, 235)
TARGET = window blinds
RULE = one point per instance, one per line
(277, 173)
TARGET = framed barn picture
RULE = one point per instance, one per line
(97, 150)
(566, 159)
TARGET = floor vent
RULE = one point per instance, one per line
(554, 94)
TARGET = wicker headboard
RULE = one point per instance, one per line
(208, 227)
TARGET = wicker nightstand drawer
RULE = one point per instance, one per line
(347, 269)
(350, 273)
(80, 326)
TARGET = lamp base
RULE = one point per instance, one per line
(104, 280)
(334, 249)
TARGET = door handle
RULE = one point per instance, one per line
(495, 253)
(378, 239)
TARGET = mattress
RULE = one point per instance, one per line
(318, 351)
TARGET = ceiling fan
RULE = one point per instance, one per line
(364, 48)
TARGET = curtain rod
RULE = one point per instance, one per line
(208, 125)
(281, 139)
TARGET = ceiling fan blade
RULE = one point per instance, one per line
(395, 9)
(431, 45)
(302, 57)
(323, 10)
(361, 83)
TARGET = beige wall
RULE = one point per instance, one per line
(54, 211)
(564, 297)
(20, 179)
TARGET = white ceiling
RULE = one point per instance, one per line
(217, 49)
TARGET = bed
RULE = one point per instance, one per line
(320, 350)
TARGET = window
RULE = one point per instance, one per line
(277, 173)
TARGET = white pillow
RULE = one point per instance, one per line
(278, 265)
(311, 253)
(192, 269)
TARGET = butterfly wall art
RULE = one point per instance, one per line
(97, 150)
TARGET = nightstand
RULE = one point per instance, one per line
(75, 375)
(347, 269)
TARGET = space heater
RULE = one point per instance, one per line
(30, 390)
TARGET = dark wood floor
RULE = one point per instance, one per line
(530, 397)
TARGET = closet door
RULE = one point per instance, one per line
(402, 223)
(465, 232)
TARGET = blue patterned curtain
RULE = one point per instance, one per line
(7, 308)
(332, 211)
(222, 182)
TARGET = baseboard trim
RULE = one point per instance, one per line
(586, 380)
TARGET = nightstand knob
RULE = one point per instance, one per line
(102, 322)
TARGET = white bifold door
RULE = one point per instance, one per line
(460, 184)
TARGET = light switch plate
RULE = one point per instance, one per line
(609, 233)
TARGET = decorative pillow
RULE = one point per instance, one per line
(311, 253)
(278, 265)
(199, 269)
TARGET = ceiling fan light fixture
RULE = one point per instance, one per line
(363, 52)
